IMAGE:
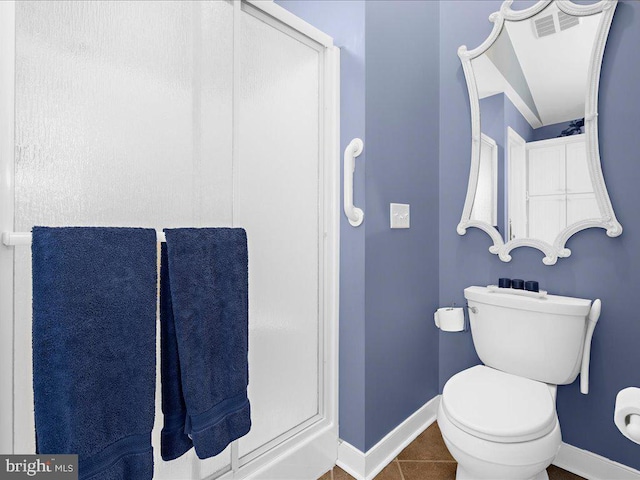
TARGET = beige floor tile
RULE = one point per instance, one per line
(340, 474)
(427, 458)
(428, 470)
(326, 476)
(390, 472)
(428, 446)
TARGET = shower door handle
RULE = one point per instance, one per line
(353, 213)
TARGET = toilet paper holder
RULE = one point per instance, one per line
(626, 414)
(633, 427)
(450, 319)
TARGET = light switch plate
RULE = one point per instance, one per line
(399, 215)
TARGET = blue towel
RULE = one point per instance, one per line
(204, 305)
(174, 442)
(94, 343)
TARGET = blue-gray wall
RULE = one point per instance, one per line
(549, 131)
(389, 354)
(401, 265)
(389, 278)
(514, 119)
(600, 267)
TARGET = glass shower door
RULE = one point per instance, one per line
(122, 119)
(178, 113)
(277, 200)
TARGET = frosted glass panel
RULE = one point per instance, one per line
(122, 118)
(277, 202)
(122, 112)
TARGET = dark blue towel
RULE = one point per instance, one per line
(205, 369)
(174, 441)
(94, 343)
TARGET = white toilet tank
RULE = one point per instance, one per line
(537, 338)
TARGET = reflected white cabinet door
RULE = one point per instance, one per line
(547, 216)
(560, 187)
(582, 206)
(517, 185)
(578, 177)
(546, 170)
(277, 201)
(546, 188)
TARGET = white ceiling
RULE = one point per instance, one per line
(554, 68)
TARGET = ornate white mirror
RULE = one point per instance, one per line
(535, 176)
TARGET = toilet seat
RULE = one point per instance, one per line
(498, 406)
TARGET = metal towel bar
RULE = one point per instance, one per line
(11, 239)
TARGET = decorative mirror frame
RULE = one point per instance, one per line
(608, 220)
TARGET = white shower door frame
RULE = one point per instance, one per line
(309, 449)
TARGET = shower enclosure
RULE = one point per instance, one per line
(166, 114)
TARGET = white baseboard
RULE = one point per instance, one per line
(351, 460)
(592, 466)
(365, 466)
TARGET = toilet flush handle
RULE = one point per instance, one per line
(592, 319)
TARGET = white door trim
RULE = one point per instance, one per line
(7, 165)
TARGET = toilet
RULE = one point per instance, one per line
(499, 419)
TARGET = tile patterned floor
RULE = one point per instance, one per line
(427, 458)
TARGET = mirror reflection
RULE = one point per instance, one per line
(533, 178)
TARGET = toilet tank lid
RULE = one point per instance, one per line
(548, 304)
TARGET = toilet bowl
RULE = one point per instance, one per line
(499, 426)
(499, 420)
